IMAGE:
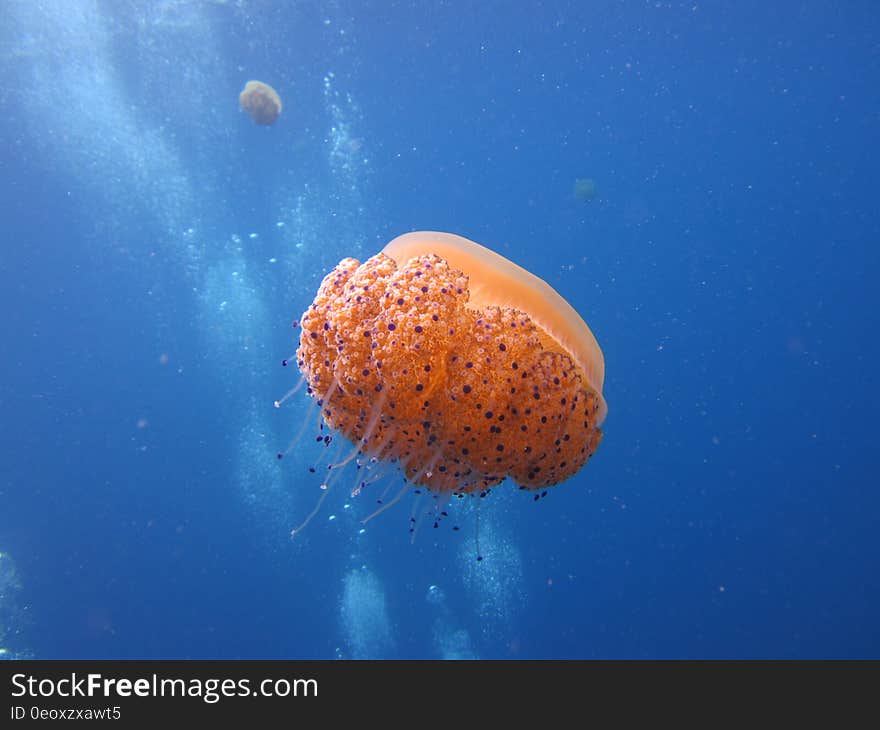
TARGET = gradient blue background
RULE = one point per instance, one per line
(728, 267)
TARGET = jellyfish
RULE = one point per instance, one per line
(461, 367)
(261, 101)
(585, 189)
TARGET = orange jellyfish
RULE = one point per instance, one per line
(261, 101)
(455, 363)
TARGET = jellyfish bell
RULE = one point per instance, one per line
(261, 102)
(585, 189)
(458, 366)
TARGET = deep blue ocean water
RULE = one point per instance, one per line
(157, 245)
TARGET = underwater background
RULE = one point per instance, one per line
(698, 179)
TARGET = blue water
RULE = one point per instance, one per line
(157, 245)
